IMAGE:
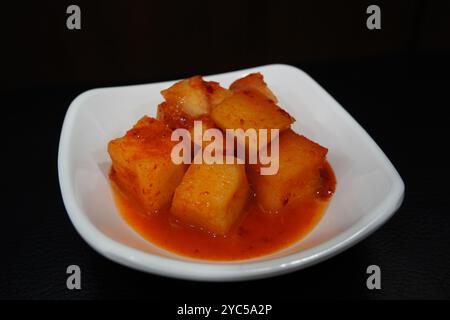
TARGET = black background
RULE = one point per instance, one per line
(394, 81)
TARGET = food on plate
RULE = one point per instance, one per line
(300, 162)
(211, 196)
(194, 96)
(227, 206)
(253, 82)
(191, 100)
(142, 165)
(250, 109)
(190, 95)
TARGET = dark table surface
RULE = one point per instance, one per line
(400, 100)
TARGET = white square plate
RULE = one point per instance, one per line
(369, 189)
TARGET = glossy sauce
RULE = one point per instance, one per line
(258, 233)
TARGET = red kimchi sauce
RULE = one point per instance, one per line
(258, 233)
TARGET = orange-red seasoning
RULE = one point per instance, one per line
(258, 234)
